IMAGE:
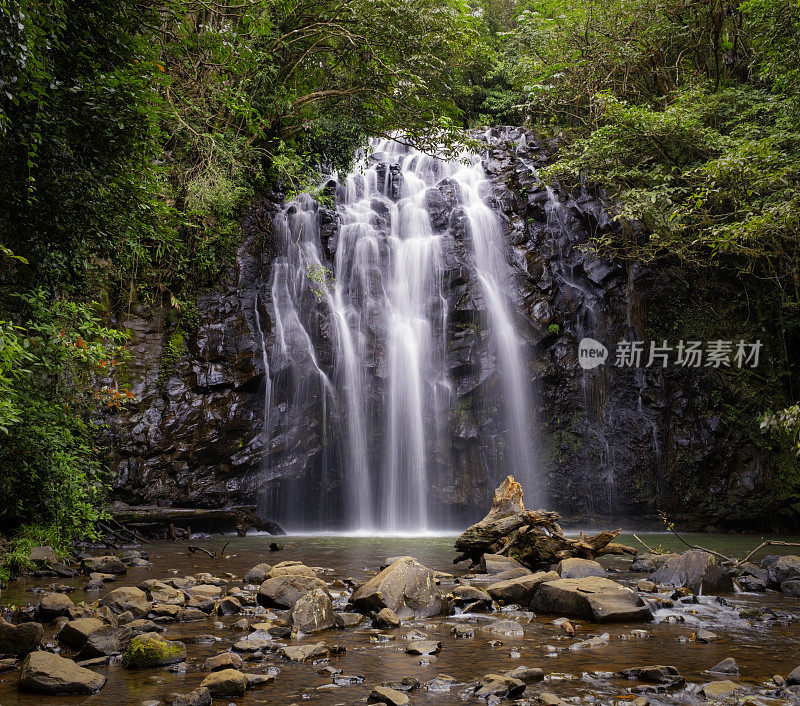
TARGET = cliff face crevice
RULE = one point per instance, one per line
(622, 442)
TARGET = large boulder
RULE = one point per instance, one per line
(313, 612)
(226, 683)
(291, 568)
(786, 568)
(20, 639)
(598, 599)
(498, 564)
(127, 598)
(54, 605)
(284, 591)
(406, 583)
(152, 650)
(160, 592)
(520, 590)
(696, 570)
(106, 641)
(75, 633)
(574, 568)
(47, 673)
(258, 574)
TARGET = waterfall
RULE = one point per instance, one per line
(368, 337)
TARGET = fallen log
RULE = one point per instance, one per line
(532, 537)
(241, 518)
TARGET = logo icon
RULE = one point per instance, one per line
(591, 353)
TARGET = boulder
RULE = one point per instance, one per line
(720, 689)
(497, 564)
(46, 673)
(43, 555)
(106, 641)
(386, 618)
(423, 647)
(255, 641)
(751, 584)
(313, 612)
(205, 591)
(528, 675)
(258, 574)
(75, 633)
(344, 621)
(301, 653)
(103, 565)
(54, 605)
(199, 697)
(648, 562)
(387, 695)
(471, 598)
(696, 570)
(655, 674)
(499, 686)
(230, 605)
(227, 683)
(520, 590)
(160, 592)
(291, 568)
(574, 568)
(726, 666)
(785, 568)
(794, 677)
(226, 660)
(127, 598)
(595, 598)
(285, 591)
(20, 639)
(152, 650)
(406, 583)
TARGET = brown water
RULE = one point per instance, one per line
(761, 649)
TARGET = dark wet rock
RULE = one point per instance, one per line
(152, 650)
(423, 647)
(386, 618)
(656, 674)
(142, 625)
(387, 695)
(696, 570)
(548, 699)
(256, 680)
(405, 684)
(784, 568)
(726, 666)
(405, 583)
(284, 591)
(751, 584)
(313, 612)
(442, 683)
(127, 598)
(791, 588)
(105, 641)
(108, 564)
(75, 633)
(520, 590)
(255, 641)
(497, 563)
(46, 673)
(462, 632)
(720, 689)
(794, 677)
(574, 568)
(302, 653)
(471, 598)
(509, 574)
(226, 660)
(499, 685)
(227, 683)
(344, 621)
(20, 639)
(230, 605)
(648, 562)
(54, 605)
(258, 574)
(646, 586)
(199, 697)
(528, 675)
(8, 664)
(598, 599)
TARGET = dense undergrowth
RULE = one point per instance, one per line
(134, 134)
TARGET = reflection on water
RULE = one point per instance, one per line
(761, 649)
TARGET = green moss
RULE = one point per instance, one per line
(152, 651)
(174, 348)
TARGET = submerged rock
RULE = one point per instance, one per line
(423, 647)
(598, 599)
(47, 673)
(406, 583)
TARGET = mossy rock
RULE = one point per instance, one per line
(152, 650)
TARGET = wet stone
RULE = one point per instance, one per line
(423, 647)
(506, 627)
(462, 632)
(726, 666)
(387, 695)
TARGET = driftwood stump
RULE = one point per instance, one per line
(532, 537)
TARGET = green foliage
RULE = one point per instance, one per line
(145, 651)
(171, 354)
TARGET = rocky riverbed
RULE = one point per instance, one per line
(323, 621)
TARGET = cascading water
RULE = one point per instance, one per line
(381, 319)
